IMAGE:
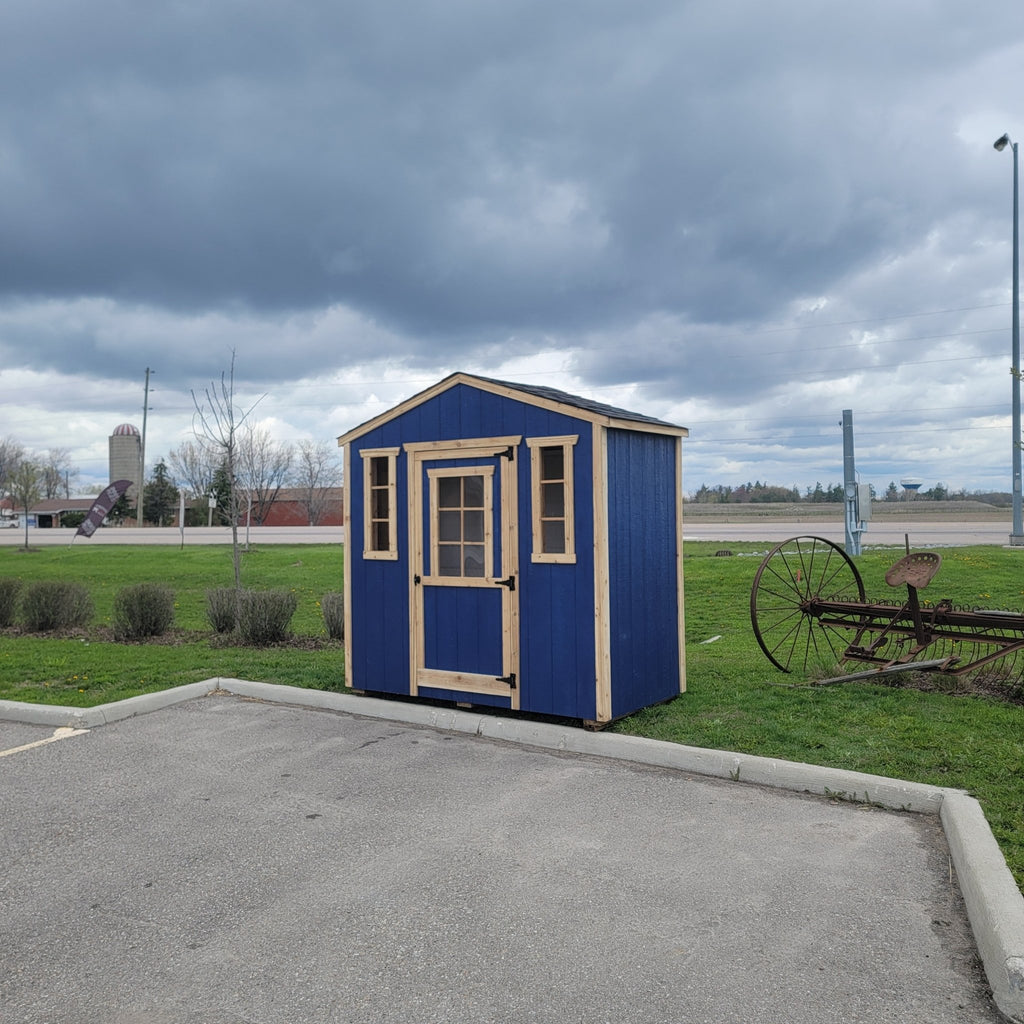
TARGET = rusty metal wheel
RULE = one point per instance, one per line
(794, 576)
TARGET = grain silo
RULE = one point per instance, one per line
(126, 456)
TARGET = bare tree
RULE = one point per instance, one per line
(25, 488)
(11, 454)
(263, 467)
(317, 469)
(216, 424)
(57, 472)
(193, 468)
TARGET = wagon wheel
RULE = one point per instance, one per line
(793, 575)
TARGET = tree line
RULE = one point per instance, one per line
(758, 492)
(264, 468)
(232, 467)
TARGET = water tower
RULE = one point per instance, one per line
(911, 485)
(125, 454)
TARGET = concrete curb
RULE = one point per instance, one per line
(995, 906)
(102, 714)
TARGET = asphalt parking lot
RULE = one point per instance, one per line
(226, 860)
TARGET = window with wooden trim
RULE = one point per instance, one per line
(380, 533)
(461, 535)
(551, 474)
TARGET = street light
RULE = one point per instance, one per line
(1017, 536)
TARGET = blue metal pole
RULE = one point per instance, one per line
(853, 526)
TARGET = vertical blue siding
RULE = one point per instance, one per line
(557, 669)
(379, 641)
(642, 482)
(556, 643)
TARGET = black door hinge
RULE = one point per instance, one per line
(509, 453)
(510, 583)
(510, 679)
(416, 579)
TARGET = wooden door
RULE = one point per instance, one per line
(464, 569)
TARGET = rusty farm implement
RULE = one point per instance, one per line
(810, 616)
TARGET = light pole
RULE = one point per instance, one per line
(1017, 536)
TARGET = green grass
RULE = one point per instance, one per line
(734, 700)
(84, 671)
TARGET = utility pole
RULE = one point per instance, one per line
(142, 453)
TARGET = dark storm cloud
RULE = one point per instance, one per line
(717, 201)
(459, 167)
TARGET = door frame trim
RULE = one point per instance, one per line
(420, 452)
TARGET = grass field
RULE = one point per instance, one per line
(735, 701)
(83, 670)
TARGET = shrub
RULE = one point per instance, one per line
(264, 615)
(55, 604)
(145, 609)
(222, 609)
(9, 590)
(333, 607)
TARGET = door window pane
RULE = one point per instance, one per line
(474, 493)
(461, 527)
(449, 560)
(474, 560)
(449, 492)
(449, 525)
(473, 525)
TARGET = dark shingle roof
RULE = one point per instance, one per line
(587, 404)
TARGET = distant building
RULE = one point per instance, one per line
(49, 512)
(291, 507)
(125, 447)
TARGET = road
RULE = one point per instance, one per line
(923, 534)
(172, 535)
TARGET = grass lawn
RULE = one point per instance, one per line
(734, 701)
(83, 671)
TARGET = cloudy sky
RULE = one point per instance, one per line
(742, 217)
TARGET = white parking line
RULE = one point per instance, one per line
(58, 734)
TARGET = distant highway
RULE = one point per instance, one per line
(948, 532)
(172, 535)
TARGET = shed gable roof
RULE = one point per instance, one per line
(535, 394)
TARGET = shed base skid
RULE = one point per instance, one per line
(481, 709)
(591, 725)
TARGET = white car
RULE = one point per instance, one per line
(9, 522)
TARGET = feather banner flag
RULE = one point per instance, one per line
(102, 506)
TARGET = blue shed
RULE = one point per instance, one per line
(515, 546)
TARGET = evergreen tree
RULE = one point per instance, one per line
(160, 499)
(220, 491)
(123, 509)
